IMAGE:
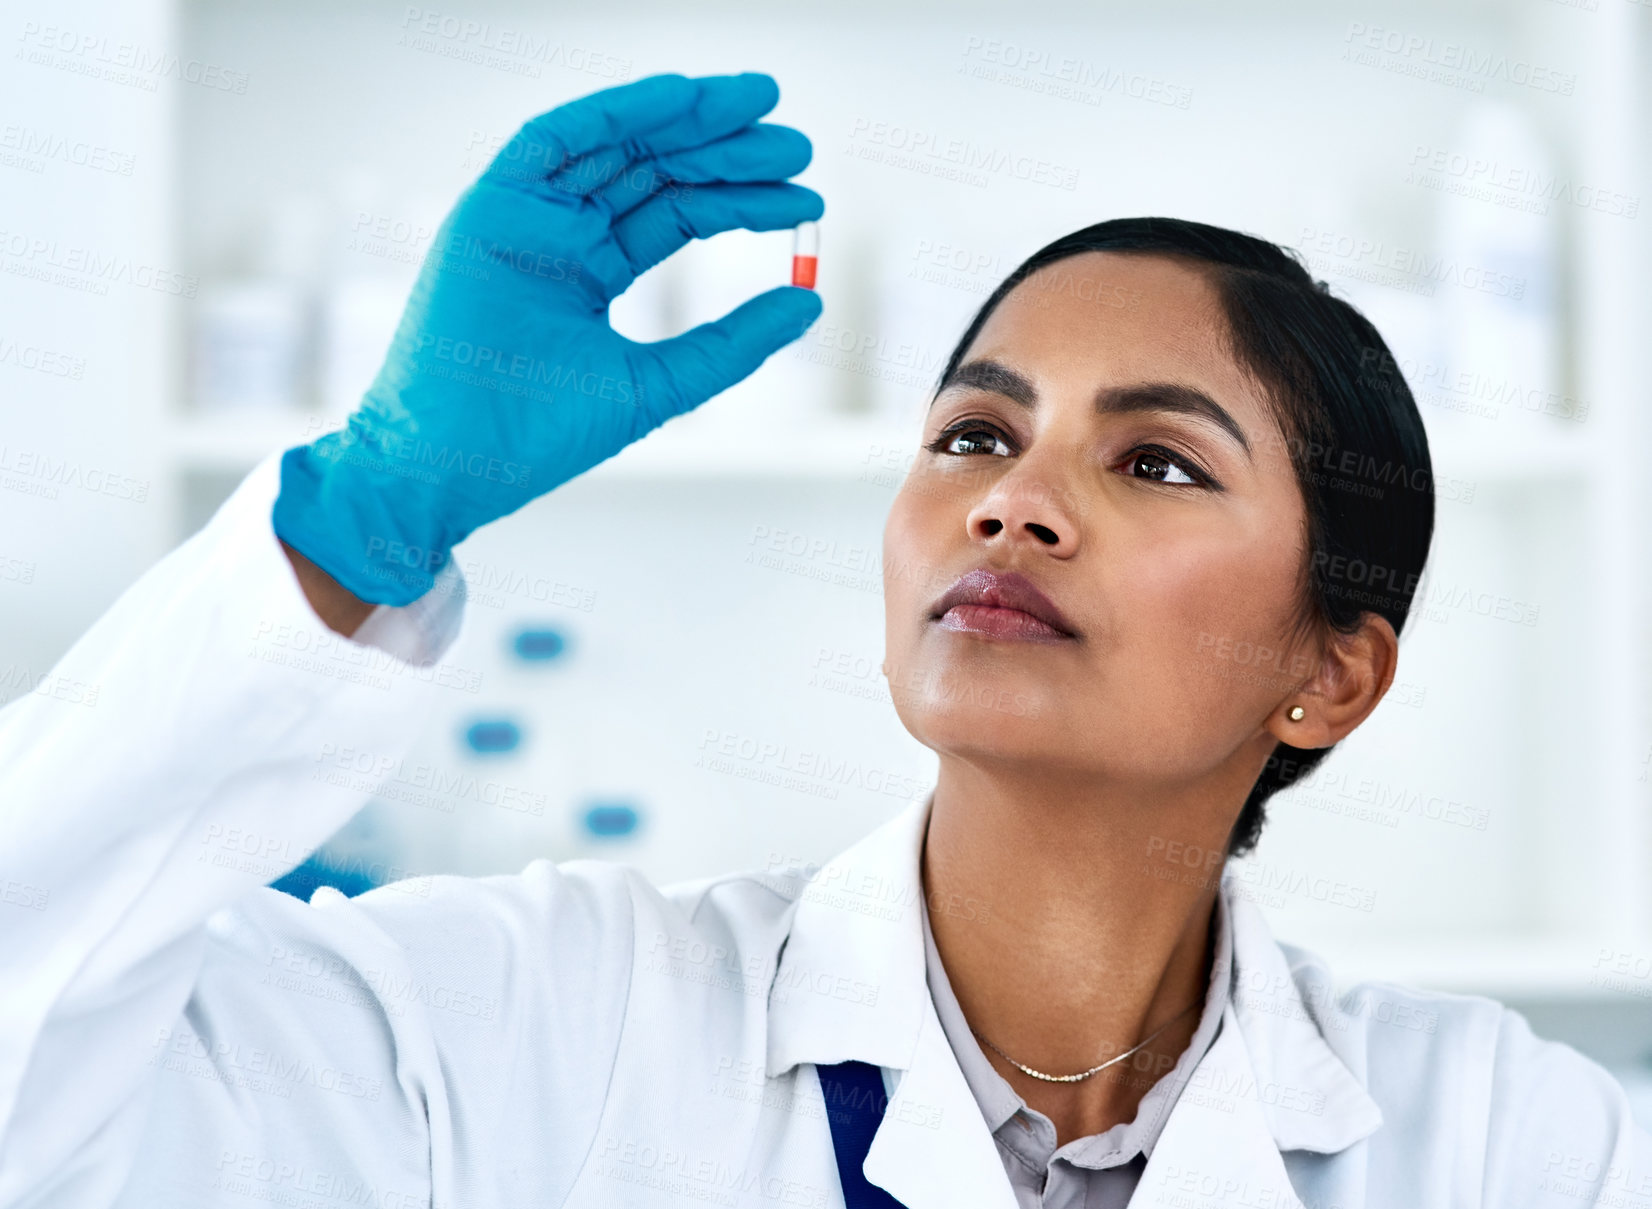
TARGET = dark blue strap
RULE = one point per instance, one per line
(855, 1101)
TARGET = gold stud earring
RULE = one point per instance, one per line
(1296, 713)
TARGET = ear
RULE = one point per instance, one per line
(1354, 672)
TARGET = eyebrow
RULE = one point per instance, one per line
(1173, 397)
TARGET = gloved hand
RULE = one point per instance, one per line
(504, 378)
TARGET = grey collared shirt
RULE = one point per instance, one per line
(1095, 1172)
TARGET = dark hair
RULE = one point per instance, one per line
(1355, 436)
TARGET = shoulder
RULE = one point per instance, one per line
(1528, 1120)
(1561, 1126)
(1392, 1021)
(495, 1003)
(587, 920)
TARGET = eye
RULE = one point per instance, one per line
(971, 437)
(1165, 466)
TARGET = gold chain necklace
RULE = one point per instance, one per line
(1038, 1074)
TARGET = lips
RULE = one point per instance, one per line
(1001, 604)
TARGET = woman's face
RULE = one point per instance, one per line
(1081, 452)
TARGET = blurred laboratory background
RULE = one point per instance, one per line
(211, 213)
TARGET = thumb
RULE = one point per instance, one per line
(707, 360)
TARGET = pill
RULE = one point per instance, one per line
(805, 253)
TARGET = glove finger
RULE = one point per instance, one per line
(707, 360)
(762, 152)
(659, 227)
(586, 143)
(601, 119)
(725, 104)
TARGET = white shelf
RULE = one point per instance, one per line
(1514, 967)
(1472, 457)
(236, 441)
(831, 448)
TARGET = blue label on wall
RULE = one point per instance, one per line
(494, 735)
(608, 819)
(538, 644)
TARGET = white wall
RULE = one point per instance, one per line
(91, 294)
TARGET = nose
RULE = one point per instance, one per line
(1027, 505)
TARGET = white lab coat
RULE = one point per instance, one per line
(172, 1034)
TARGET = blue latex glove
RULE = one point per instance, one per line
(505, 378)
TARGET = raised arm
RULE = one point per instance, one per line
(183, 781)
(138, 832)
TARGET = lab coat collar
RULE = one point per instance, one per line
(851, 984)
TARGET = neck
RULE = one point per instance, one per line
(1096, 929)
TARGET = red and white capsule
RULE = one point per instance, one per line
(805, 253)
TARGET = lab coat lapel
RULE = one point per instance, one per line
(1216, 1148)
(933, 1150)
(852, 983)
(1269, 1082)
(1309, 1097)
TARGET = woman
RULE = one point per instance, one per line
(1155, 454)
